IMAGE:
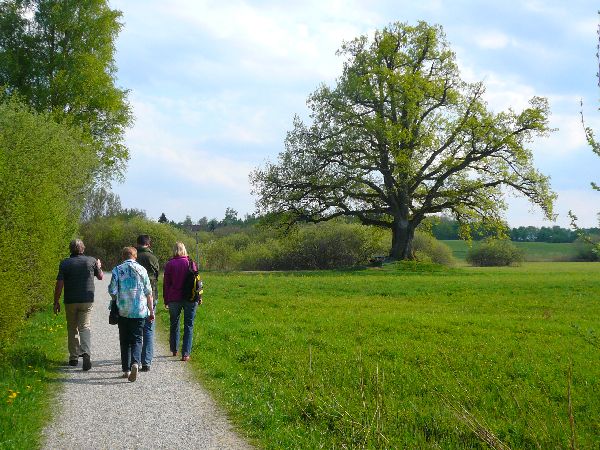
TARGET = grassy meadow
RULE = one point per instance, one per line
(28, 371)
(533, 251)
(400, 357)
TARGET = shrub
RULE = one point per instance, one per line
(261, 256)
(495, 252)
(220, 255)
(330, 245)
(105, 237)
(428, 249)
(44, 168)
(587, 248)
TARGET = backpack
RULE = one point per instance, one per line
(192, 284)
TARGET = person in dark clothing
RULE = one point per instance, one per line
(149, 261)
(76, 275)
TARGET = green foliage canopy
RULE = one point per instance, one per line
(401, 136)
(59, 56)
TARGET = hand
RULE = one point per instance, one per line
(56, 307)
(99, 264)
(151, 316)
(166, 306)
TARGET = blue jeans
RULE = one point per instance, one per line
(148, 341)
(189, 312)
(130, 340)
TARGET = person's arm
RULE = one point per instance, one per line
(155, 267)
(150, 307)
(57, 293)
(98, 270)
(113, 286)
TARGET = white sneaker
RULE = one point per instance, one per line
(134, 370)
(125, 375)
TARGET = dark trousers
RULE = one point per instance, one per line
(130, 339)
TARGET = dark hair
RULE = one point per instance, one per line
(143, 239)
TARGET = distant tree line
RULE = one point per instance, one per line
(231, 221)
(442, 228)
(445, 228)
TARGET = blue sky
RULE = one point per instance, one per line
(215, 85)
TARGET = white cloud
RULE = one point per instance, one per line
(290, 40)
(502, 91)
(492, 40)
(154, 144)
(568, 138)
(583, 202)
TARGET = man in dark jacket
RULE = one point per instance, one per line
(76, 274)
(149, 261)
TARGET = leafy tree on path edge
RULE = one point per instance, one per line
(400, 137)
(58, 55)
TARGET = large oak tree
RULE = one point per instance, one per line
(401, 136)
(58, 55)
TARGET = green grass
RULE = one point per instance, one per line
(28, 368)
(534, 251)
(395, 358)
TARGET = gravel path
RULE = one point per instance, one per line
(163, 409)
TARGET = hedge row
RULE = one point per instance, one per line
(44, 168)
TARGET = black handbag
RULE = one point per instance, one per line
(113, 315)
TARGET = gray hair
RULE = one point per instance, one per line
(76, 247)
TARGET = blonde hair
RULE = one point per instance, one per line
(129, 253)
(179, 249)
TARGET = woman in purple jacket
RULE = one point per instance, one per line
(175, 299)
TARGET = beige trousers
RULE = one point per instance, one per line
(79, 316)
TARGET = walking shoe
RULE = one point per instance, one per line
(145, 368)
(125, 375)
(87, 363)
(134, 370)
(185, 358)
(73, 362)
(175, 353)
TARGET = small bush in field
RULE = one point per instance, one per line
(495, 252)
(587, 248)
(428, 249)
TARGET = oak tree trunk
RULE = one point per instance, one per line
(402, 237)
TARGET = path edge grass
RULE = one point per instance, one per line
(29, 370)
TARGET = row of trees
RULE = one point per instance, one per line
(440, 227)
(230, 219)
(446, 228)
